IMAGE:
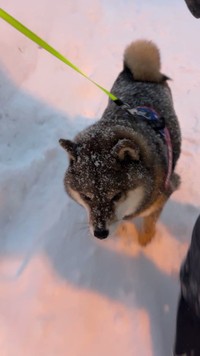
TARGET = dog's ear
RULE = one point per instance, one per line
(70, 147)
(126, 148)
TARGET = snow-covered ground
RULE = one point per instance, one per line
(62, 292)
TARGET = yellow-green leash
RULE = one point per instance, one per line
(38, 40)
(32, 36)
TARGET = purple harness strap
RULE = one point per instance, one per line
(150, 114)
(170, 156)
(158, 124)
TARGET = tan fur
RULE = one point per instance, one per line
(149, 222)
(143, 59)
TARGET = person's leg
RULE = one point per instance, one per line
(190, 272)
(187, 340)
(194, 7)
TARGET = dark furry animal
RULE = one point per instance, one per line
(118, 166)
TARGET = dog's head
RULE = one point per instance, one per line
(107, 174)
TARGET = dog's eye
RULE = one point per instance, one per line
(86, 197)
(116, 197)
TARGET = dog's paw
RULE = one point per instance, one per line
(145, 237)
(127, 232)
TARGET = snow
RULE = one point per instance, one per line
(62, 291)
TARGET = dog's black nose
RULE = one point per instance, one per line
(101, 233)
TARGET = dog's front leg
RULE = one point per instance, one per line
(148, 229)
(149, 224)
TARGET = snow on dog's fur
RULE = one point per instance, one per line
(118, 166)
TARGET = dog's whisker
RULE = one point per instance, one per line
(82, 228)
(82, 224)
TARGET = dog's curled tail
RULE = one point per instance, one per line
(142, 57)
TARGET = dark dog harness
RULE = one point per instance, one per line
(157, 122)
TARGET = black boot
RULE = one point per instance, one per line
(187, 331)
(194, 7)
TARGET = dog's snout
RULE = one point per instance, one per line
(101, 233)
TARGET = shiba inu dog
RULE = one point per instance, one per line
(123, 165)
